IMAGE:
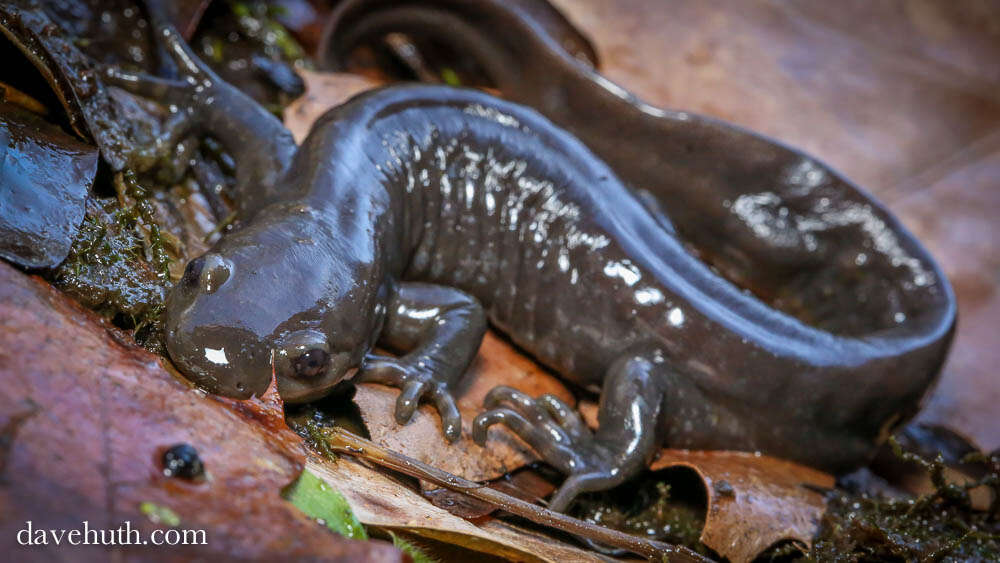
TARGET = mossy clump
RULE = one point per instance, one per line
(666, 505)
(939, 526)
(109, 270)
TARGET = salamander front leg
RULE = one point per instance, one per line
(629, 415)
(439, 330)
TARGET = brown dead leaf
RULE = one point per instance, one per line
(754, 500)
(378, 500)
(324, 90)
(86, 417)
(497, 364)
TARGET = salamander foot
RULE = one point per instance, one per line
(556, 431)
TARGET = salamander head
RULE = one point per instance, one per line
(258, 303)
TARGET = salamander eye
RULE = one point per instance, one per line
(311, 363)
(303, 354)
(192, 273)
(208, 271)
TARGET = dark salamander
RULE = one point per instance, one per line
(411, 216)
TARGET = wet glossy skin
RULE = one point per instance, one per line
(775, 221)
(411, 215)
(766, 216)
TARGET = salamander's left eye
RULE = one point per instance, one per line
(311, 363)
(209, 271)
(192, 273)
(303, 354)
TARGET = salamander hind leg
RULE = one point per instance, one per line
(629, 419)
(201, 102)
(186, 94)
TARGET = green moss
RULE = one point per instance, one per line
(667, 505)
(107, 270)
(450, 77)
(310, 426)
(410, 549)
(940, 526)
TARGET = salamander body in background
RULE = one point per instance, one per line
(412, 216)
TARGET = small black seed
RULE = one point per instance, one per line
(183, 461)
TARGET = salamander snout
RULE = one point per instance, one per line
(205, 336)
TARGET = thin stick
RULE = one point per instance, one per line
(344, 442)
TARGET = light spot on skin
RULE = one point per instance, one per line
(636, 423)
(675, 317)
(217, 356)
(419, 314)
(624, 270)
(563, 260)
(648, 296)
(651, 110)
(492, 114)
(612, 87)
(470, 194)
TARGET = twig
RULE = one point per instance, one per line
(344, 442)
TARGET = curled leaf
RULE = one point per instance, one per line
(754, 501)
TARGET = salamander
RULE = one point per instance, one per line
(742, 202)
(413, 216)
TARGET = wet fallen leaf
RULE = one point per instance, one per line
(753, 501)
(378, 500)
(71, 76)
(497, 364)
(965, 399)
(86, 417)
(45, 176)
(324, 90)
